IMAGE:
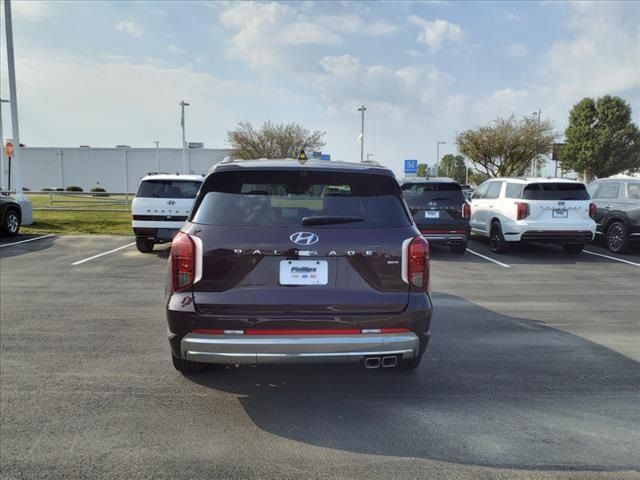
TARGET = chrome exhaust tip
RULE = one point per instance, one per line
(390, 362)
(372, 362)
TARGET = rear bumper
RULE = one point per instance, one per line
(448, 238)
(578, 236)
(240, 349)
(157, 234)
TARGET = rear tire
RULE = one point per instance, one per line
(144, 245)
(496, 239)
(409, 364)
(186, 367)
(458, 248)
(11, 225)
(616, 238)
(573, 248)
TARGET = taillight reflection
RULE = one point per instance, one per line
(182, 262)
(418, 268)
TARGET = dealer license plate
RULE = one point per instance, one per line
(431, 214)
(304, 272)
(560, 213)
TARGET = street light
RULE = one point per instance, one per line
(2, 155)
(157, 155)
(184, 142)
(534, 161)
(438, 156)
(362, 109)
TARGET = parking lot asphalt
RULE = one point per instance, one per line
(532, 372)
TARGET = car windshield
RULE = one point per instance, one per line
(344, 200)
(168, 189)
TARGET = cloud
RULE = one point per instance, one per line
(136, 100)
(274, 34)
(435, 33)
(601, 58)
(32, 10)
(348, 82)
(513, 17)
(130, 27)
(353, 24)
(517, 50)
(172, 49)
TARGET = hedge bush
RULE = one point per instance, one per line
(74, 188)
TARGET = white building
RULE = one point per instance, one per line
(114, 169)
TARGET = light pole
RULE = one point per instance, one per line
(157, 155)
(438, 156)
(362, 109)
(534, 161)
(184, 142)
(2, 155)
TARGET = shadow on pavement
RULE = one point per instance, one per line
(492, 390)
(22, 248)
(533, 254)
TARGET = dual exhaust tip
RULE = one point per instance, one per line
(384, 362)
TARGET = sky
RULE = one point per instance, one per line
(107, 73)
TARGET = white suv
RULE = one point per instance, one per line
(510, 210)
(161, 206)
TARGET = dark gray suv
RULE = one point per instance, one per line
(286, 262)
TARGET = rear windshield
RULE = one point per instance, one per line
(292, 199)
(555, 191)
(423, 194)
(168, 189)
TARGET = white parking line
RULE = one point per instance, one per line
(103, 254)
(612, 258)
(28, 240)
(488, 258)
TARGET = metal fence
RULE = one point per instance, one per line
(81, 201)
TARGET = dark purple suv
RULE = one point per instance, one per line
(283, 262)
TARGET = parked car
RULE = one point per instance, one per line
(440, 211)
(10, 216)
(617, 212)
(513, 210)
(162, 204)
(286, 262)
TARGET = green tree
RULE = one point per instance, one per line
(476, 178)
(453, 166)
(506, 147)
(601, 139)
(423, 170)
(272, 140)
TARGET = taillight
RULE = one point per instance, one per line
(418, 268)
(522, 210)
(183, 261)
(592, 210)
(466, 211)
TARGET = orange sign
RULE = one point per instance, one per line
(8, 149)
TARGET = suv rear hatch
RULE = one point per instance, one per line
(557, 205)
(164, 200)
(437, 207)
(300, 243)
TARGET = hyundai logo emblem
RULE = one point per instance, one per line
(304, 238)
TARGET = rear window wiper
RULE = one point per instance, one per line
(329, 219)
